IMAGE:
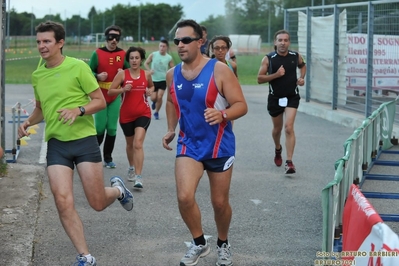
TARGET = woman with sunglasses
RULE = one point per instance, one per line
(105, 63)
(135, 85)
(220, 46)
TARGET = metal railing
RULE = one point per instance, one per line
(360, 149)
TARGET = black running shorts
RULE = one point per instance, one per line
(159, 85)
(275, 109)
(128, 128)
(73, 152)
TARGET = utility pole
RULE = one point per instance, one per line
(269, 21)
(31, 28)
(65, 28)
(268, 24)
(139, 26)
(8, 25)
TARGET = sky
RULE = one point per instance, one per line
(198, 10)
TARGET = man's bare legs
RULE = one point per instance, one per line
(61, 184)
(220, 188)
(277, 128)
(290, 114)
(159, 100)
(188, 173)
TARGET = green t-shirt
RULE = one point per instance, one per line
(160, 65)
(65, 86)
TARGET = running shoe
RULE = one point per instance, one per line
(156, 115)
(224, 255)
(277, 157)
(289, 167)
(131, 174)
(194, 253)
(109, 165)
(82, 261)
(138, 183)
(153, 105)
(127, 197)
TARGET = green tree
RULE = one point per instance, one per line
(156, 20)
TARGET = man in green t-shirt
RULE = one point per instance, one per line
(159, 63)
(67, 95)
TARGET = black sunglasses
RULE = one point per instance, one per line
(185, 40)
(111, 36)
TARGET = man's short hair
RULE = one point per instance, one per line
(57, 28)
(165, 42)
(191, 23)
(113, 27)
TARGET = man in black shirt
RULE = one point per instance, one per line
(279, 69)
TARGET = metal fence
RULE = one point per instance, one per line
(351, 51)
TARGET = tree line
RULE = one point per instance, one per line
(260, 17)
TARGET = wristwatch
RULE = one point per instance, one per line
(82, 110)
(224, 115)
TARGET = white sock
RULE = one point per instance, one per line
(131, 167)
(121, 192)
(89, 257)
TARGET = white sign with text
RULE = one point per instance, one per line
(385, 62)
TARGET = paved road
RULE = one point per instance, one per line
(277, 220)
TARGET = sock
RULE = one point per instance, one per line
(200, 240)
(288, 161)
(121, 193)
(89, 257)
(221, 242)
(279, 149)
(131, 167)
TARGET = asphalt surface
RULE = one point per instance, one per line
(277, 219)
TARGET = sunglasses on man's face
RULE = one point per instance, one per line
(185, 40)
(110, 37)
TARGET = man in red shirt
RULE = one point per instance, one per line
(105, 63)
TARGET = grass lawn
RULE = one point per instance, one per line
(20, 63)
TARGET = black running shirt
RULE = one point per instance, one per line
(284, 86)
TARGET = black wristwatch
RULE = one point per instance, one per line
(82, 110)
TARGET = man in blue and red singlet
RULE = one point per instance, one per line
(204, 97)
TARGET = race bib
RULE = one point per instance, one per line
(283, 102)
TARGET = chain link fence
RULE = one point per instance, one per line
(351, 51)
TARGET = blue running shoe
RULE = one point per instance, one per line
(127, 196)
(153, 105)
(156, 115)
(109, 165)
(82, 261)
